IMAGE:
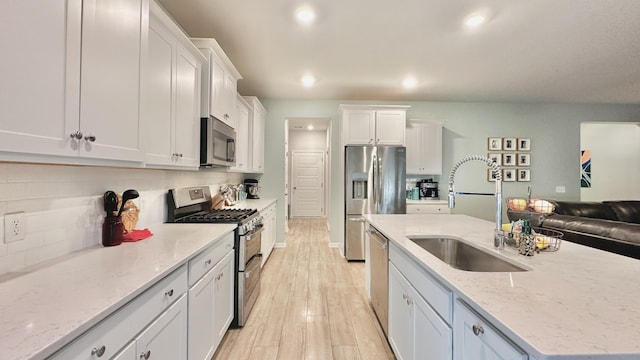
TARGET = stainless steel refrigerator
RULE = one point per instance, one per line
(374, 184)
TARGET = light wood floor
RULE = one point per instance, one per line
(312, 305)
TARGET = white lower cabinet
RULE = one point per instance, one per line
(211, 300)
(477, 339)
(165, 338)
(428, 209)
(415, 329)
(270, 234)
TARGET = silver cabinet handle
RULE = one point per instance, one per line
(357, 219)
(169, 293)
(98, 351)
(477, 330)
(76, 135)
(146, 355)
(90, 138)
(208, 262)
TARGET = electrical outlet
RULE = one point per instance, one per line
(560, 189)
(15, 227)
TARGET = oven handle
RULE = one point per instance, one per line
(258, 229)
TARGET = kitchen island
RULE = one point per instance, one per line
(578, 302)
(52, 304)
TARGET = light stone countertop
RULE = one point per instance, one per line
(47, 307)
(578, 302)
(260, 204)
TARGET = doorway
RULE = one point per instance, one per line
(309, 166)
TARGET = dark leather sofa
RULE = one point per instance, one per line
(612, 226)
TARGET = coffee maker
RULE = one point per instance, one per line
(252, 188)
(428, 189)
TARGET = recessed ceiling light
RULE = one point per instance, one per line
(310, 127)
(308, 80)
(477, 18)
(409, 83)
(305, 15)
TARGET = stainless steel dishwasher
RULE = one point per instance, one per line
(379, 255)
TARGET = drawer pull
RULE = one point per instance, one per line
(477, 330)
(169, 293)
(208, 262)
(146, 355)
(99, 351)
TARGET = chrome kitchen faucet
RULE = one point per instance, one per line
(498, 240)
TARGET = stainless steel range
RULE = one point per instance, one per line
(193, 205)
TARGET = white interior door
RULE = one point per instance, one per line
(307, 179)
(286, 175)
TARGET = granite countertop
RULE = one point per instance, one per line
(48, 306)
(576, 302)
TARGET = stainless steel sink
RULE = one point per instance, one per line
(463, 256)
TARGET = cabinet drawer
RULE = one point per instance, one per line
(117, 330)
(428, 209)
(206, 260)
(438, 296)
(474, 335)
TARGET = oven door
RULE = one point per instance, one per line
(249, 246)
(248, 289)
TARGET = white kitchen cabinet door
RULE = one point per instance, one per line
(390, 127)
(157, 95)
(229, 97)
(415, 329)
(40, 76)
(257, 117)
(166, 337)
(217, 94)
(476, 339)
(424, 147)
(187, 122)
(201, 319)
(242, 137)
(269, 235)
(400, 316)
(358, 127)
(113, 32)
(223, 297)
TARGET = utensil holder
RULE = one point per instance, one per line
(112, 231)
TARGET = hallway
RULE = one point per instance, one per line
(312, 305)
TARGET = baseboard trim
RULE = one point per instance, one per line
(280, 245)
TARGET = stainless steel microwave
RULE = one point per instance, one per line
(217, 143)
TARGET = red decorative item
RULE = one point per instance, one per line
(136, 235)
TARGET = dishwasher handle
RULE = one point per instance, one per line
(378, 237)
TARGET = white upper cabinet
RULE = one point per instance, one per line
(170, 95)
(242, 137)
(219, 83)
(424, 147)
(83, 73)
(113, 32)
(257, 119)
(40, 76)
(373, 125)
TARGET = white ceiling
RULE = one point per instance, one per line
(529, 51)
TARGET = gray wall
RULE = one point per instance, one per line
(554, 130)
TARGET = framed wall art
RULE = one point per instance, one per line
(524, 175)
(509, 175)
(524, 159)
(494, 144)
(524, 144)
(496, 157)
(509, 144)
(509, 159)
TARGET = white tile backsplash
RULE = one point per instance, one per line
(64, 210)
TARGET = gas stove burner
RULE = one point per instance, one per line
(219, 216)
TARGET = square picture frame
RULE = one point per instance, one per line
(524, 175)
(509, 159)
(524, 159)
(494, 144)
(509, 144)
(496, 157)
(524, 144)
(490, 176)
(509, 175)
